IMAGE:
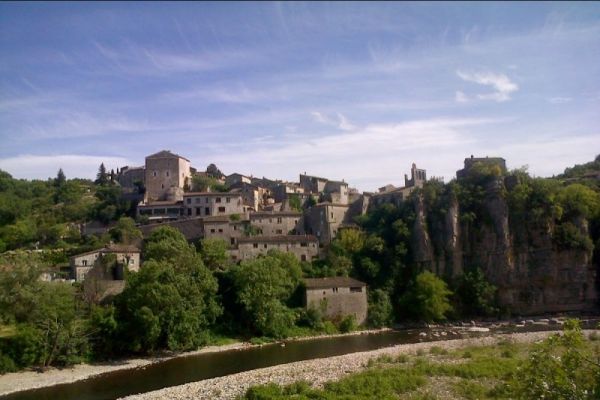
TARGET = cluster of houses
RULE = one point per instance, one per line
(252, 215)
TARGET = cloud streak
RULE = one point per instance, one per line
(502, 85)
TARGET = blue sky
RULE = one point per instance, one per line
(354, 91)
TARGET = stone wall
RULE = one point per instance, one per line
(339, 302)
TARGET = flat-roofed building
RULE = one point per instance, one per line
(304, 247)
(81, 264)
(337, 297)
(277, 223)
(208, 204)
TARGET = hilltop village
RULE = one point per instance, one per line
(253, 215)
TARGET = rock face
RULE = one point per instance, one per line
(532, 274)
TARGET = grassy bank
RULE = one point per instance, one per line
(476, 372)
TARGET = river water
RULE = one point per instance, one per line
(193, 368)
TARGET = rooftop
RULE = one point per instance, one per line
(338, 281)
(278, 239)
(166, 154)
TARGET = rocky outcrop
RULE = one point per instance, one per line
(532, 274)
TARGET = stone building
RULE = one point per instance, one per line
(323, 220)
(304, 247)
(253, 196)
(489, 161)
(129, 177)
(337, 297)
(236, 178)
(206, 204)
(160, 211)
(417, 177)
(223, 227)
(277, 223)
(81, 264)
(325, 189)
(166, 176)
(191, 228)
(390, 194)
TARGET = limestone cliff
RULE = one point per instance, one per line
(532, 273)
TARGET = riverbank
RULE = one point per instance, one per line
(27, 380)
(319, 371)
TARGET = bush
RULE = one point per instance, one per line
(348, 324)
(561, 367)
(427, 298)
(380, 309)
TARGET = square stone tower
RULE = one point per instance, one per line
(166, 174)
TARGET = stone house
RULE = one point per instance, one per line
(337, 297)
(159, 211)
(81, 264)
(166, 176)
(236, 178)
(206, 204)
(128, 177)
(277, 223)
(490, 161)
(324, 219)
(283, 190)
(252, 196)
(304, 247)
(223, 227)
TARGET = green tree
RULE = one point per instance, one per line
(427, 298)
(214, 254)
(476, 295)
(380, 308)
(101, 176)
(263, 286)
(171, 302)
(125, 231)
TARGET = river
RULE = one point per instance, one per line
(180, 370)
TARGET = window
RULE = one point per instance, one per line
(335, 290)
(232, 240)
(265, 245)
(189, 201)
(278, 220)
(331, 215)
(221, 209)
(153, 173)
(303, 257)
(303, 244)
(206, 200)
(162, 186)
(197, 210)
(218, 200)
(279, 232)
(220, 230)
(255, 245)
(167, 173)
(227, 199)
(356, 289)
(189, 211)
(131, 261)
(84, 262)
(212, 231)
(206, 211)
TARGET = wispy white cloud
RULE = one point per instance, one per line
(501, 83)
(367, 157)
(460, 97)
(338, 120)
(28, 166)
(560, 100)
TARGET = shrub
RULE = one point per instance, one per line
(348, 324)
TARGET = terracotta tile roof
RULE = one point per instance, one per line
(338, 281)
